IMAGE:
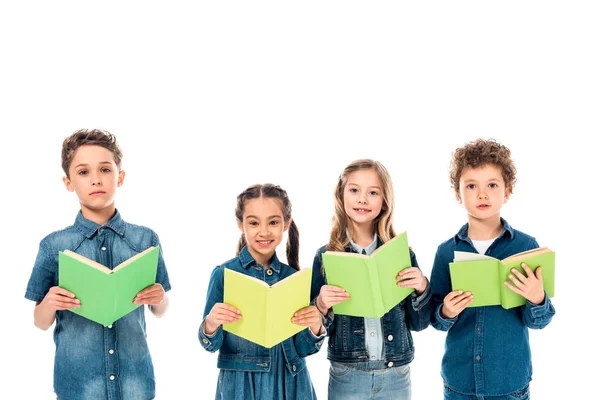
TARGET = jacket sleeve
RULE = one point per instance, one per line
(440, 287)
(212, 342)
(307, 343)
(318, 280)
(537, 316)
(418, 307)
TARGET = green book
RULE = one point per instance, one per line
(370, 280)
(266, 311)
(484, 276)
(106, 295)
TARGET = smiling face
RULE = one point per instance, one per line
(363, 199)
(263, 226)
(482, 191)
(94, 177)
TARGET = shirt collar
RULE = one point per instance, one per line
(89, 228)
(463, 233)
(369, 249)
(247, 260)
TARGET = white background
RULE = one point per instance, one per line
(209, 98)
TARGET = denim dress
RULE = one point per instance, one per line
(250, 371)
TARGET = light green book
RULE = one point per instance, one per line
(266, 311)
(106, 295)
(484, 276)
(370, 280)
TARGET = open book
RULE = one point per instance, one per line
(484, 276)
(106, 295)
(266, 311)
(370, 280)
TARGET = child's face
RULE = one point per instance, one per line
(94, 177)
(263, 226)
(482, 191)
(363, 198)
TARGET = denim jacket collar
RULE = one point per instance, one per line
(89, 228)
(463, 233)
(247, 260)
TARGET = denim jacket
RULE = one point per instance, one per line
(92, 361)
(347, 333)
(236, 353)
(487, 348)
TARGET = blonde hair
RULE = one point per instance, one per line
(339, 239)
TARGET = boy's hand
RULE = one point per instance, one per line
(412, 278)
(455, 302)
(220, 314)
(58, 299)
(330, 296)
(309, 316)
(151, 295)
(531, 286)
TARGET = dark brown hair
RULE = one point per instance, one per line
(274, 192)
(85, 137)
(479, 153)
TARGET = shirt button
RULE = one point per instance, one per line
(269, 272)
(111, 351)
(478, 358)
(373, 357)
(372, 334)
(293, 366)
(110, 326)
(204, 341)
(112, 377)
(103, 248)
(478, 329)
(390, 338)
(390, 364)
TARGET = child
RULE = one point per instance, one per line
(92, 361)
(250, 371)
(369, 356)
(487, 351)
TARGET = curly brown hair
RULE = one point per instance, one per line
(479, 153)
(84, 137)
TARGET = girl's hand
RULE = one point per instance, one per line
(151, 295)
(455, 302)
(58, 299)
(412, 278)
(220, 314)
(531, 286)
(311, 317)
(330, 296)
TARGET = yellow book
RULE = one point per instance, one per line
(266, 311)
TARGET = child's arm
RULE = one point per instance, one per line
(156, 298)
(324, 296)
(419, 308)
(310, 340)
(445, 304)
(55, 300)
(216, 313)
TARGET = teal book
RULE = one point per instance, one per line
(484, 276)
(370, 280)
(266, 311)
(106, 295)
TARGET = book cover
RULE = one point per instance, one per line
(106, 295)
(266, 311)
(484, 276)
(370, 280)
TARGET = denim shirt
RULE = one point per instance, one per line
(487, 348)
(347, 333)
(92, 361)
(236, 353)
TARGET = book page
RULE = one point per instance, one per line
(132, 259)
(468, 256)
(87, 261)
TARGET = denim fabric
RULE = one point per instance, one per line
(347, 334)
(349, 383)
(521, 394)
(287, 373)
(85, 368)
(487, 348)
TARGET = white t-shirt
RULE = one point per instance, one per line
(482, 245)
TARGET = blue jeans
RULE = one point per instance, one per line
(521, 394)
(349, 383)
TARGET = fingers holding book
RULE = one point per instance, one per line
(529, 285)
(455, 302)
(220, 314)
(330, 296)
(412, 278)
(59, 299)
